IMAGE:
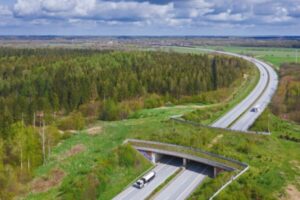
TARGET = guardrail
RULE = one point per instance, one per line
(181, 120)
(228, 183)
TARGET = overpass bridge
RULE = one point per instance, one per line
(155, 150)
(193, 166)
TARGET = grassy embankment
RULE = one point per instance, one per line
(285, 141)
(273, 161)
(275, 56)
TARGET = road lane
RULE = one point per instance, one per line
(239, 109)
(240, 118)
(166, 168)
(245, 121)
(184, 184)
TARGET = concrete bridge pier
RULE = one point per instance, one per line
(184, 162)
(155, 157)
(216, 171)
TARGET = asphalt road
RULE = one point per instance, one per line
(240, 117)
(249, 117)
(184, 184)
(164, 169)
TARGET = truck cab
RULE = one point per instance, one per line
(140, 184)
(146, 179)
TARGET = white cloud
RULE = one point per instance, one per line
(135, 13)
(54, 8)
(5, 11)
(27, 7)
(279, 15)
(226, 16)
(131, 10)
(91, 9)
(57, 5)
(193, 8)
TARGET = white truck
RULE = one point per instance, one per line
(145, 179)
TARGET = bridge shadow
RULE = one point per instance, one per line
(171, 160)
(200, 168)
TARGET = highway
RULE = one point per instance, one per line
(246, 120)
(240, 117)
(164, 169)
(184, 184)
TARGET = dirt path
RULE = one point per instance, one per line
(45, 183)
(215, 140)
(292, 193)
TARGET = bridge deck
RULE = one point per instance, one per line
(189, 153)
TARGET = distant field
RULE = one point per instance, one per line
(275, 56)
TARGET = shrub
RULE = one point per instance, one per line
(153, 101)
(126, 155)
(75, 121)
(110, 111)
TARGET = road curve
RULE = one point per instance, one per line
(240, 117)
(248, 118)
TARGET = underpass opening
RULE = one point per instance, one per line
(170, 160)
(201, 168)
(162, 158)
(157, 152)
(198, 167)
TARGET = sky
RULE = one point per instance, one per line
(150, 17)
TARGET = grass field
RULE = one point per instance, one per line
(275, 56)
(274, 162)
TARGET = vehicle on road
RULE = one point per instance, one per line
(146, 179)
(255, 109)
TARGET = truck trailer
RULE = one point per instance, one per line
(145, 179)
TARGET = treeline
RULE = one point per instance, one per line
(286, 102)
(63, 80)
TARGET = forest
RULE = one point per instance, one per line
(286, 102)
(46, 91)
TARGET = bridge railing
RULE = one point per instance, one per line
(181, 120)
